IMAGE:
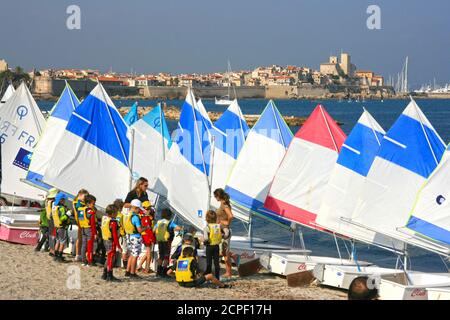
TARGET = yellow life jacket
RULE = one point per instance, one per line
(48, 209)
(57, 214)
(162, 231)
(215, 234)
(128, 225)
(183, 271)
(120, 223)
(83, 219)
(106, 230)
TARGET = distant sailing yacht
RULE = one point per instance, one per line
(225, 100)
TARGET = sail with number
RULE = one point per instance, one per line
(299, 184)
(408, 154)
(94, 151)
(132, 116)
(52, 134)
(257, 164)
(21, 125)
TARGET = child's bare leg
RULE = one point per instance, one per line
(214, 280)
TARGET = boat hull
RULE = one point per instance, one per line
(412, 285)
(19, 225)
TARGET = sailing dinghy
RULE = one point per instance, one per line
(298, 187)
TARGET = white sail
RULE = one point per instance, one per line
(53, 132)
(151, 145)
(257, 164)
(8, 94)
(93, 152)
(21, 124)
(229, 134)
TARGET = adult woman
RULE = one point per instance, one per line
(139, 192)
(224, 218)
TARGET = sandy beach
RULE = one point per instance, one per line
(25, 274)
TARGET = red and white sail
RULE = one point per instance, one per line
(299, 184)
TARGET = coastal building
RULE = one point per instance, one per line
(333, 67)
(368, 78)
(3, 65)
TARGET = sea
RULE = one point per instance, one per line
(347, 113)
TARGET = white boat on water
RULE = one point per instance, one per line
(223, 101)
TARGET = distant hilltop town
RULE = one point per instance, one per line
(337, 78)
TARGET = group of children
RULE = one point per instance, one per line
(128, 229)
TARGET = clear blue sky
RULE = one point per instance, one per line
(200, 35)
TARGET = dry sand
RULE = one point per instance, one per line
(25, 274)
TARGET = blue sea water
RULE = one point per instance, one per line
(437, 111)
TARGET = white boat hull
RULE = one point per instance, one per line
(341, 276)
(412, 285)
(438, 293)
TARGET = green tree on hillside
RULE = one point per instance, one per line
(15, 77)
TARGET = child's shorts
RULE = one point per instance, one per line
(61, 235)
(163, 250)
(135, 246)
(196, 283)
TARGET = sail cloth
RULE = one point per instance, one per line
(93, 152)
(409, 152)
(151, 145)
(183, 179)
(132, 116)
(347, 178)
(257, 163)
(229, 133)
(431, 213)
(52, 134)
(201, 108)
(21, 124)
(297, 190)
(8, 94)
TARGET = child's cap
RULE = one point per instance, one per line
(137, 203)
(146, 204)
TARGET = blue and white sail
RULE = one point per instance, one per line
(408, 154)
(21, 125)
(257, 163)
(8, 94)
(205, 116)
(53, 132)
(151, 145)
(184, 176)
(229, 133)
(349, 174)
(430, 216)
(93, 152)
(132, 116)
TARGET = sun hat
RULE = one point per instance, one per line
(137, 203)
(146, 204)
(52, 193)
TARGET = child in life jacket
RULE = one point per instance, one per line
(212, 234)
(51, 226)
(78, 203)
(44, 223)
(88, 222)
(133, 228)
(162, 234)
(148, 237)
(61, 222)
(186, 272)
(187, 241)
(123, 260)
(110, 235)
